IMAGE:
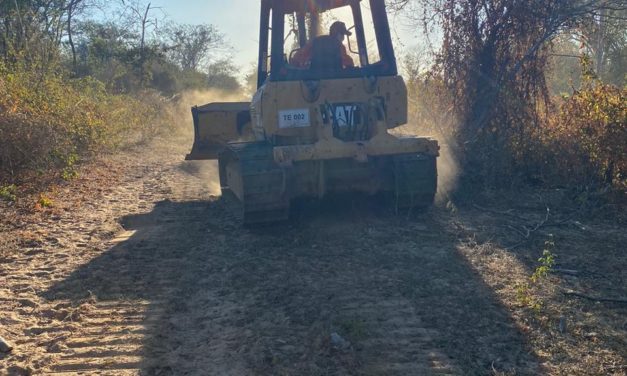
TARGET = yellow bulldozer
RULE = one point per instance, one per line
(319, 120)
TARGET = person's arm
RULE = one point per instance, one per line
(302, 57)
(347, 61)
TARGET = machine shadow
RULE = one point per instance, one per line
(223, 300)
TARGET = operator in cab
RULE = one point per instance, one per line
(327, 47)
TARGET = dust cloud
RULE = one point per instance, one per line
(448, 164)
(448, 169)
(440, 126)
(180, 111)
(181, 105)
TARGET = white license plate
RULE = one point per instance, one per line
(294, 118)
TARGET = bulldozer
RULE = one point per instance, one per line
(322, 128)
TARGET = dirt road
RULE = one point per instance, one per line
(142, 269)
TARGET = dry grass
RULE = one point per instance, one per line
(570, 335)
(49, 123)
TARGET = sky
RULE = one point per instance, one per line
(238, 20)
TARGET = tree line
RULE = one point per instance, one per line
(127, 44)
(79, 77)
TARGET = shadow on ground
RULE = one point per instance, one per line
(224, 300)
(576, 313)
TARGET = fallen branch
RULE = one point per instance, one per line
(565, 271)
(539, 225)
(514, 246)
(518, 231)
(506, 213)
(529, 231)
(594, 298)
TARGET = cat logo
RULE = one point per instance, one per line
(343, 114)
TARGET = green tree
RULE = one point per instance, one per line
(191, 46)
(223, 75)
(604, 38)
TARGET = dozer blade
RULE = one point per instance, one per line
(217, 124)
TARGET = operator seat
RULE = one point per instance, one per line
(326, 55)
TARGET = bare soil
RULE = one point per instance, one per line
(141, 268)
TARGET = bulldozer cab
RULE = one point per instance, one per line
(288, 26)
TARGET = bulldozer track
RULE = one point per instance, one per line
(415, 181)
(263, 184)
(182, 288)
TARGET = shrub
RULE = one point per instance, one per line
(48, 121)
(8, 192)
(585, 141)
(44, 201)
(525, 291)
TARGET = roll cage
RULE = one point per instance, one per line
(274, 63)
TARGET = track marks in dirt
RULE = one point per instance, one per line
(110, 339)
(183, 289)
(48, 247)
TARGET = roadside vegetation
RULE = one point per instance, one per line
(79, 78)
(516, 108)
(529, 102)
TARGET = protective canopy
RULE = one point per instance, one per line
(312, 6)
